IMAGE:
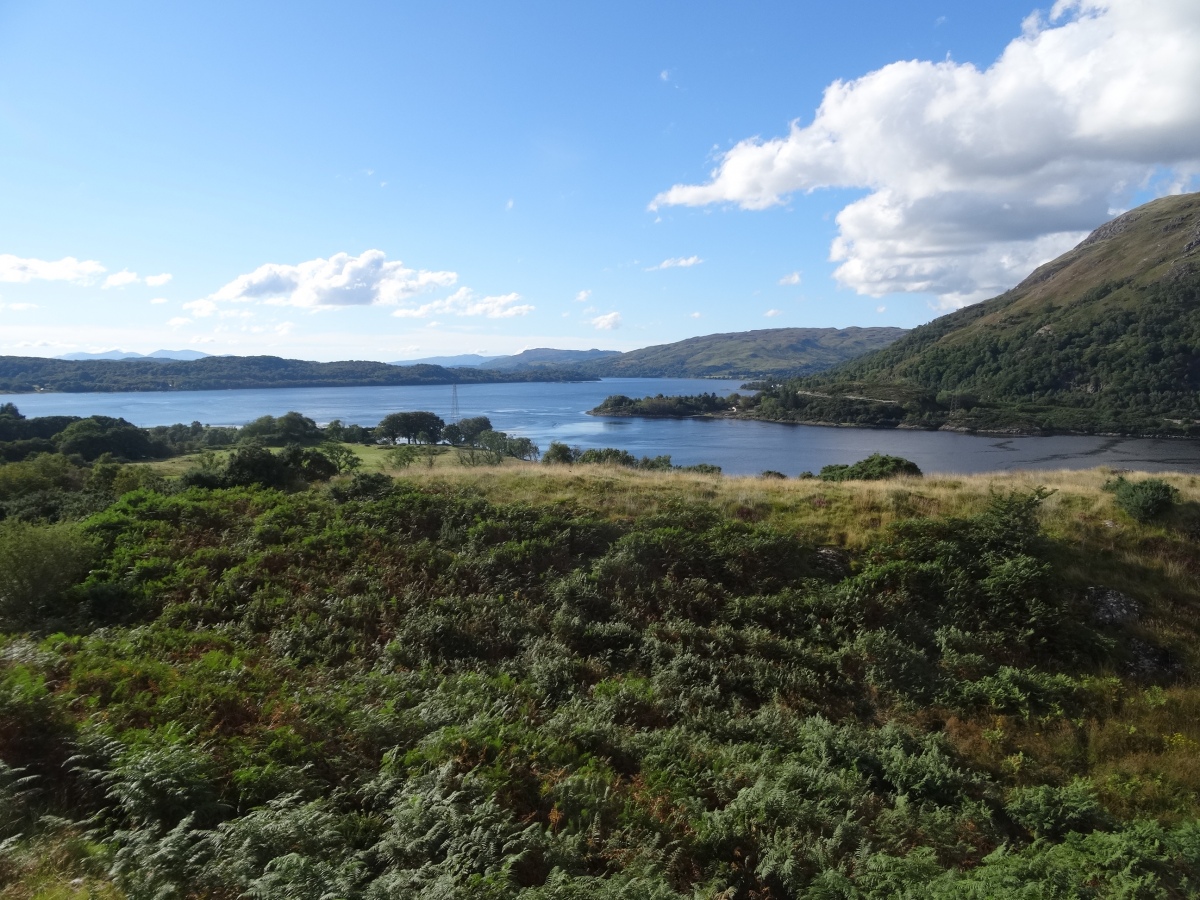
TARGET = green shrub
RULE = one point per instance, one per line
(37, 564)
(1144, 500)
(1052, 812)
(875, 467)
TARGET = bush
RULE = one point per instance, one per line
(1052, 812)
(559, 452)
(37, 563)
(875, 467)
(1144, 500)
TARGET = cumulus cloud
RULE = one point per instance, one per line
(677, 262)
(121, 279)
(17, 307)
(696, 315)
(22, 271)
(974, 175)
(178, 321)
(790, 278)
(158, 280)
(342, 280)
(582, 296)
(607, 322)
(464, 302)
(159, 300)
(772, 313)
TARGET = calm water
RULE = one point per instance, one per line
(557, 412)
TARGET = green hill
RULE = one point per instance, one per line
(748, 354)
(1106, 338)
(25, 374)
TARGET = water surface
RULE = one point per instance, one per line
(557, 412)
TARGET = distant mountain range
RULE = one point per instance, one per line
(26, 374)
(539, 357)
(775, 352)
(739, 354)
(122, 354)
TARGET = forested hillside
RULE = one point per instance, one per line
(24, 374)
(557, 680)
(747, 354)
(1104, 339)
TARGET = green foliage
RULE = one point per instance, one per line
(37, 565)
(875, 467)
(95, 436)
(290, 428)
(25, 374)
(1053, 812)
(560, 453)
(379, 689)
(1143, 500)
(420, 426)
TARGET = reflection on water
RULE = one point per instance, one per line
(557, 412)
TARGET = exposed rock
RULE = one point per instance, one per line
(1150, 662)
(834, 562)
(1111, 607)
(1113, 228)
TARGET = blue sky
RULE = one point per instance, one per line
(391, 181)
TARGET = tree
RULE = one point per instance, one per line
(472, 427)
(559, 452)
(97, 435)
(417, 426)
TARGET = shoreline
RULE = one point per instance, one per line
(982, 432)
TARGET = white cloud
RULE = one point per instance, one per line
(121, 279)
(790, 278)
(881, 309)
(582, 296)
(509, 205)
(178, 321)
(285, 328)
(464, 302)
(159, 300)
(158, 280)
(677, 262)
(22, 271)
(696, 315)
(18, 307)
(772, 313)
(342, 280)
(976, 176)
(607, 322)
(664, 75)
(201, 308)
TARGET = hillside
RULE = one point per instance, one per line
(543, 357)
(546, 681)
(1104, 339)
(25, 374)
(748, 354)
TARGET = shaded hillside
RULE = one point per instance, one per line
(1106, 338)
(23, 374)
(748, 354)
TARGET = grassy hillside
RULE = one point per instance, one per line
(547, 681)
(748, 354)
